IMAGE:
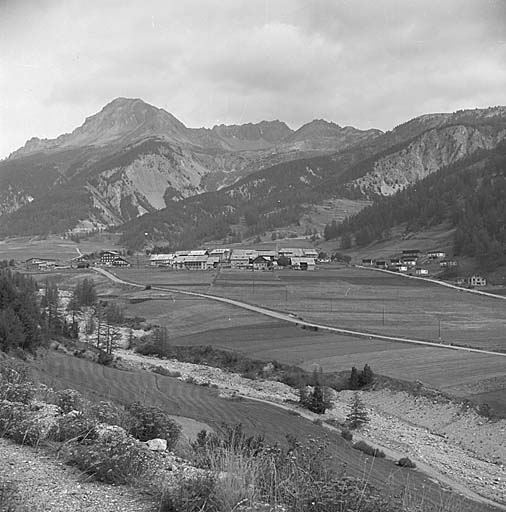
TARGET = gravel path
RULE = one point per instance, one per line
(46, 484)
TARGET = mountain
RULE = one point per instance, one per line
(132, 158)
(280, 195)
(467, 197)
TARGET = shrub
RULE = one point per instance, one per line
(406, 462)
(115, 457)
(151, 423)
(18, 423)
(69, 400)
(15, 385)
(346, 434)
(161, 370)
(105, 358)
(192, 495)
(75, 426)
(368, 449)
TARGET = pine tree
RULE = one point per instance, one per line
(358, 413)
(366, 376)
(354, 381)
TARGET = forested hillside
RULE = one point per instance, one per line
(469, 194)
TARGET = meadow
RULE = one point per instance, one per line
(344, 297)
(203, 404)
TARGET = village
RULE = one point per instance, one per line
(199, 259)
(414, 262)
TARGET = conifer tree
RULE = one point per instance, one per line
(354, 379)
(358, 414)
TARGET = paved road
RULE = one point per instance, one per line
(279, 315)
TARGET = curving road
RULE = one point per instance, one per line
(279, 315)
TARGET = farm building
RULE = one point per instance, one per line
(477, 281)
(402, 268)
(212, 262)
(120, 262)
(161, 260)
(267, 254)
(395, 261)
(436, 255)
(310, 253)
(419, 271)
(302, 263)
(222, 253)
(448, 263)
(289, 252)
(198, 252)
(262, 263)
(411, 252)
(381, 264)
(107, 257)
(367, 261)
(40, 264)
(195, 262)
(410, 261)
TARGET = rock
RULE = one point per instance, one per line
(157, 445)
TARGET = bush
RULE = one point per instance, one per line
(346, 434)
(18, 423)
(368, 449)
(76, 426)
(105, 358)
(161, 370)
(406, 462)
(15, 385)
(69, 400)
(115, 457)
(192, 495)
(151, 423)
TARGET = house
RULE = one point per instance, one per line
(477, 281)
(419, 271)
(410, 261)
(411, 252)
(448, 263)
(381, 264)
(80, 261)
(302, 263)
(367, 262)
(195, 262)
(242, 258)
(262, 263)
(395, 261)
(267, 254)
(221, 253)
(198, 252)
(436, 255)
(120, 262)
(161, 260)
(40, 264)
(289, 252)
(107, 257)
(212, 262)
(310, 253)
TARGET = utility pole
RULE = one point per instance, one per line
(383, 319)
(439, 331)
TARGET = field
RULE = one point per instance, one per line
(23, 248)
(345, 297)
(62, 371)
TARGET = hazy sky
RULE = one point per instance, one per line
(371, 63)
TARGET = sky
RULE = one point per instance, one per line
(365, 63)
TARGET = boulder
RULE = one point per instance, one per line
(157, 445)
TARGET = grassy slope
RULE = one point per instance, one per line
(62, 371)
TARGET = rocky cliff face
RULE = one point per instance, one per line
(428, 153)
(132, 158)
